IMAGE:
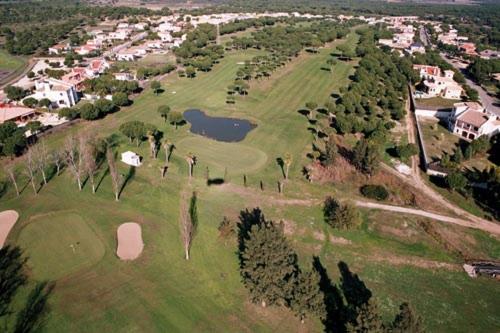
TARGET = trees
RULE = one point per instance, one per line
(113, 171)
(455, 180)
(104, 106)
(331, 151)
(190, 72)
(41, 158)
(30, 169)
(120, 99)
(14, 93)
(88, 151)
(406, 151)
(163, 111)
(268, 264)
(89, 112)
(34, 127)
(191, 160)
(44, 103)
(153, 144)
(341, 216)
(308, 298)
(368, 320)
(73, 159)
(30, 102)
(168, 145)
(366, 156)
(176, 118)
(406, 321)
(287, 161)
(11, 172)
(134, 130)
(187, 225)
(377, 192)
(156, 86)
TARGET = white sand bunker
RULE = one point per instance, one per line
(7, 220)
(130, 243)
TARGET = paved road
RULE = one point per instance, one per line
(489, 102)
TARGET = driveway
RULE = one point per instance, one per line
(489, 102)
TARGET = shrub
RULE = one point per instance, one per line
(340, 216)
(376, 192)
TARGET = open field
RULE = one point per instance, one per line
(161, 292)
(10, 66)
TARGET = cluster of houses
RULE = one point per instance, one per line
(436, 83)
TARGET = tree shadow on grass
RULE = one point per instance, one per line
(354, 289)
(215, 181)
(281, 164)
(104, 174)
(32, 318)
(128, 178)
(12, 276)
(334, 304)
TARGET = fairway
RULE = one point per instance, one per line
(60, 244)
(236, 157)
(162, 292)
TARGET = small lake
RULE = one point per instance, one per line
(218, 128)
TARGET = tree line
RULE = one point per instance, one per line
(270, 271)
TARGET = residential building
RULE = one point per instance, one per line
(60, 93)
(470, 120)
(468, 48)
(489, 54)
(416, 48)
(426, 71)
(124, 76)
(59, 48)
(435, 84)
(16, 113)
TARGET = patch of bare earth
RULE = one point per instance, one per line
(414, 261)
(7, 220)
(339, 240)
(288, 227)
(319, 235)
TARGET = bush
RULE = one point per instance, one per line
(30, 102)
(89, 112)
(69, 113)
(340, 216)
(120, 99)
(406, 151)
(376, 192)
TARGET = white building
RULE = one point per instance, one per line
(60, 93)
(434, 84)
(124, 76)
(165, 37)
(470, 120)
(131, 158)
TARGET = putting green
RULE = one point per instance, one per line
(58, 245)
(236, 157)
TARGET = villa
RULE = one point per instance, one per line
(470, 120)
(434, 84)
(60, 93)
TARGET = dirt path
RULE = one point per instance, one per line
(258, 198)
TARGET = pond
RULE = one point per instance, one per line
(218, 128)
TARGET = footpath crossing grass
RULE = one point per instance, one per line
(160, 291)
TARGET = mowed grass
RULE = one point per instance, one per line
(9, 62)
(59, 244)
(160, 291)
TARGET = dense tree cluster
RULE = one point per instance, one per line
(242, 25)
(199, 50)
(270, 271)
(12, 139)
(482, 70)
(108, 85)
(376, 94)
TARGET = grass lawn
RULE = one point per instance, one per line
(435, 103)
(60, 244)
(10, 65)
(161, 292)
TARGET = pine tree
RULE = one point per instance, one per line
(406, 321)
(308, 297)
(368, 320)
(331, 151)
(458, 157)
(268, 264)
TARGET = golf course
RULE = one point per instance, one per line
(70, 236)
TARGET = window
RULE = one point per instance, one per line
(471, 136)
(464, 134)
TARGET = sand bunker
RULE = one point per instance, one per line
(130, 243)
(7, 220)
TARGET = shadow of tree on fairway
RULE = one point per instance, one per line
(34, 313)
(281, 164)
(354, 290)
(12, 276)
(334, 304)
(130, 175)
(215, 181)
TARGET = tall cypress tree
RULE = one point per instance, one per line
(406, 321)
(368, 320)
(308, 298)
(268, 264)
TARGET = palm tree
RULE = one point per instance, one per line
(287, 160)
(167, 146)
(190, 159)
(152, 143)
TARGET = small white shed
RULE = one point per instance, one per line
(131, 158)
